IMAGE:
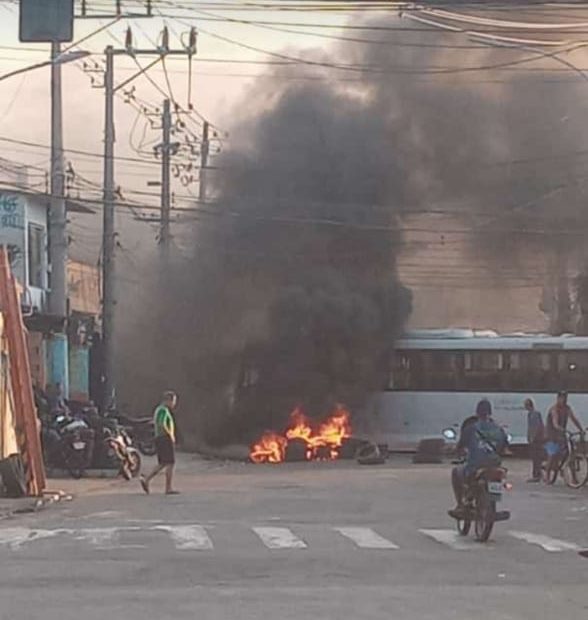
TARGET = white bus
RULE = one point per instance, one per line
(438, 376)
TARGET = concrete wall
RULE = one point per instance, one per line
(12, 231)
(83, 286)
(17, 211)
(79, 372)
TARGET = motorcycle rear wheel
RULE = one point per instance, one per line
(485, 517)
(463, 526)
(75, 473)
(134, 461)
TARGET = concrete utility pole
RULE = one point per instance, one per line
(204, 150)
(164, 236)
(108, 235)
(57, 229)
(109, 241)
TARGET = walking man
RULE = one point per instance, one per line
(535, 439)
(165, 441)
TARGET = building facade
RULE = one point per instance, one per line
(24, 231)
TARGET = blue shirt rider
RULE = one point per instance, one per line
(483, 441)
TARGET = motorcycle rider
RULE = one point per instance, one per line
(483, 441)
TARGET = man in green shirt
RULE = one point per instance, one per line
(165, 441)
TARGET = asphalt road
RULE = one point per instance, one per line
(317, 540)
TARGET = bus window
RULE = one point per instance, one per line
(440, 370)
(572, 369)
(400, 375)
(417, 371)
(407, 371)
(482, 370)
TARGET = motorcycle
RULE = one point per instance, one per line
(483, 491)
(114, 449)
(68, 444)
(142, 430)
(120, 445)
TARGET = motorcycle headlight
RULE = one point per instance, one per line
(450, 434)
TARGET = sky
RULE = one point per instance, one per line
(216, 87)
(220, 90)
(222, 72)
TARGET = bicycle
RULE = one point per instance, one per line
(572, 465)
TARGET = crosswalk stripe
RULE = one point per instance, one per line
(103, 537)
(187, 537)
(549, 544)
(279, 538)
(366, 538)
(16, 537)
(453, 540)
(190, 537)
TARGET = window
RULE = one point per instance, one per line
(525, 371)
(572, 367)
(483, 370)
(407, 371)
(36, 243)
(441, 370)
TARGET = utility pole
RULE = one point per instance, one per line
(204, 150)
(165, 179)
(108, 236)
(57, 229)
(109, 241)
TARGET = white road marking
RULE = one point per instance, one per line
(279, 538)
(187, 537)
(453, 540)
(549, 544)
(102, 537)
(16, 537)
(366, 538)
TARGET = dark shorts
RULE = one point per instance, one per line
(166, 452)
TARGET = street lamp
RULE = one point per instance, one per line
(62, 59)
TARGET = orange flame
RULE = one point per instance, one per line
(271, 447)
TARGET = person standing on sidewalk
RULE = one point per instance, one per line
(165, 442)
(535, 439)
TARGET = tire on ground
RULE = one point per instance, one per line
(13, 476)
(429, 451)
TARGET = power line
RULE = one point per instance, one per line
(78, 151)
(368, 68)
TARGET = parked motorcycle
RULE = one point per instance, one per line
(114, 446)
(142, 431)
(120, 445)
(68, 443)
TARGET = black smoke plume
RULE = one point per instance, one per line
(284, 290)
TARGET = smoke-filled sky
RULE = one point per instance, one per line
(293, 271)
(380, 116)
